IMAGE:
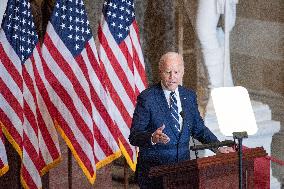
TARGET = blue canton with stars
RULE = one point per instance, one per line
(119, 14)
(70, 22)
(19, 28)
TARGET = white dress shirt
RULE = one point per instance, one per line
(167, 95)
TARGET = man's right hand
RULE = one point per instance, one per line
(159, 137)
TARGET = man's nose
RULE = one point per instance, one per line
(172, 75)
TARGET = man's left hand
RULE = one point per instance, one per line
(225, 150)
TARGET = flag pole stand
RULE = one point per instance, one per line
(126, 184)
(69, 169)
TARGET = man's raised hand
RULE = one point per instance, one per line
(159, 137)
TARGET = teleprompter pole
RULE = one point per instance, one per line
(239, 136)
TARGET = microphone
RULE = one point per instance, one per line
(213, 145)
(181, 114)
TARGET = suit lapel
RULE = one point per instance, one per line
(182, 96)
(162, 101)
(185, 104)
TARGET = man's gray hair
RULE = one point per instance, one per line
(168, 55)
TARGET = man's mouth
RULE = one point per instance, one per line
(172, 82)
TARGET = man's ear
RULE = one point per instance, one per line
(160, 73)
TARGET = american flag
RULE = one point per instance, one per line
(123, 66)
(3, 156)
(22, 119)
(73, 87)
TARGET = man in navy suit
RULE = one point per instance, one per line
(165, 117)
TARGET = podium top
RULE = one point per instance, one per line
(207, 162)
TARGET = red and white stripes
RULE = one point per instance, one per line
(22, 117)
(78, 102)
(124, 72)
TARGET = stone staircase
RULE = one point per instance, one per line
(266, 129)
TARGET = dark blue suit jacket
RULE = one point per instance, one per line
(151, 112)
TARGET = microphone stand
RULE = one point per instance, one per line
(213, 145)
(183, 117)
(194, 145)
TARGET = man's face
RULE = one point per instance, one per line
(171, 72)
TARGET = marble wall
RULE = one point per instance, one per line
(258, 52)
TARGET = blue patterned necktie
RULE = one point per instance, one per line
(174, 110)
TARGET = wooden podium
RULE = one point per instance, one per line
(214, 172)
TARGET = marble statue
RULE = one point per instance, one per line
(214, 40)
